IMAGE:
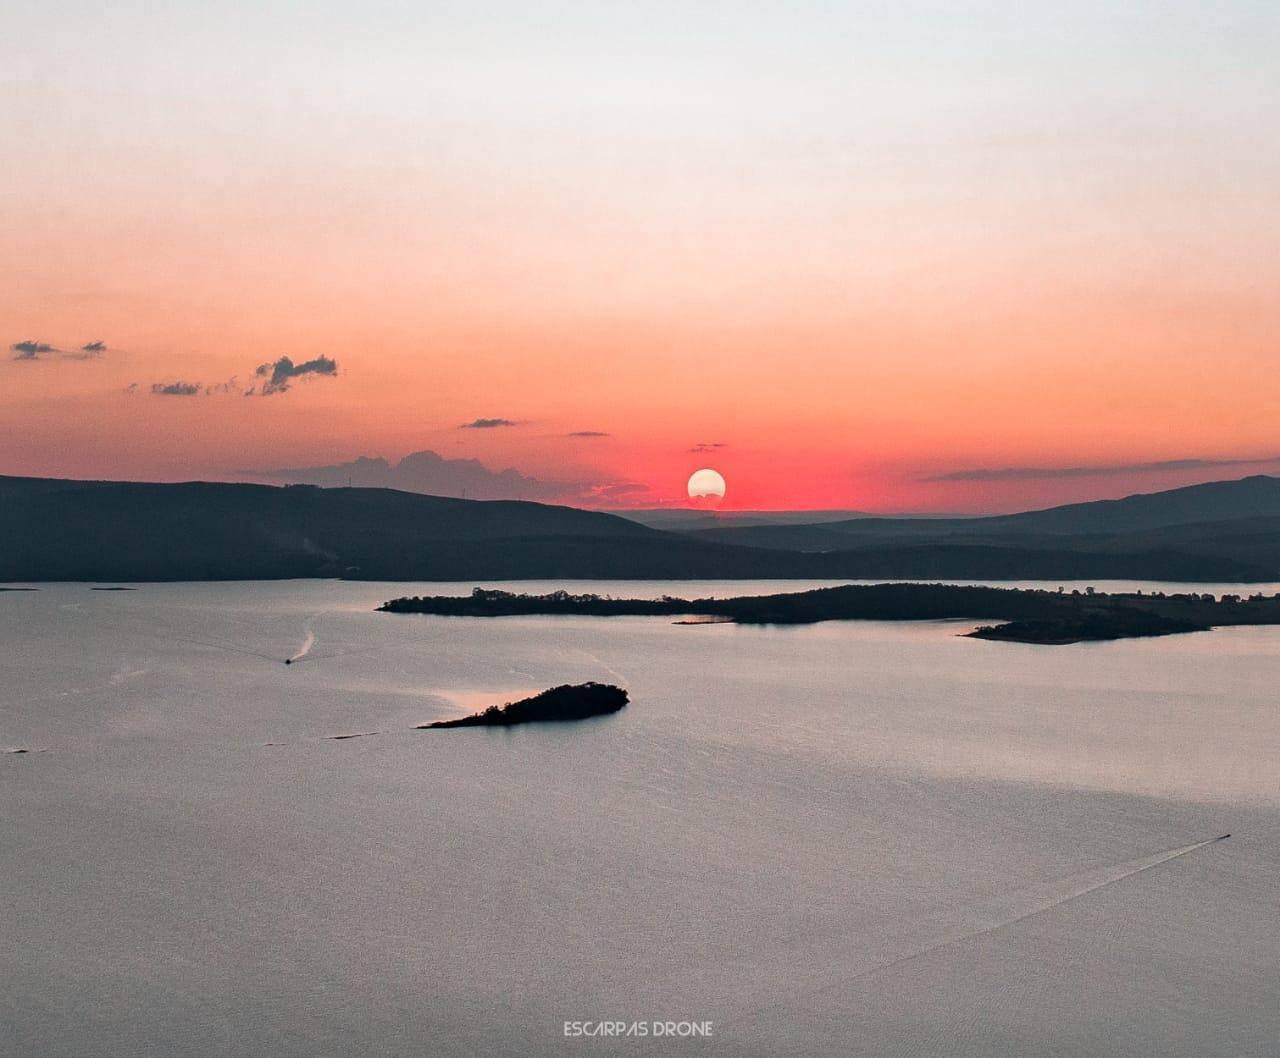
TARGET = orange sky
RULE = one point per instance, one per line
(858, 250)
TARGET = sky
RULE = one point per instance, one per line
(902, 256)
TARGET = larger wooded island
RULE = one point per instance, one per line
(1028, 615)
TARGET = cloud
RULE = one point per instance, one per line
(487, 424)
(618, 490)
(1104, 470)
(176, 389)
(280, 374)
(707, 446)
(590, 433)
(431, 473)
(31, 349)
(185, 389)
(34, 350)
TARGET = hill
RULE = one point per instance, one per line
(132, 531)
(73, 530)
(1235, 520)
(688, 519)
(1215, 501)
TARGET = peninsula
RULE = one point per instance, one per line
(1028, 615)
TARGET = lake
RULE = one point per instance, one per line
(852, 838)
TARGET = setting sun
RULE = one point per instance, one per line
(706, 484)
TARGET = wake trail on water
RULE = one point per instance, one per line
(605, 665)
(215, 645)
(305, 651)
(989, 916)
(306, 655)
(307, 644)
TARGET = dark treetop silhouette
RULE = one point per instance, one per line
(1032, 616)
(558, 704)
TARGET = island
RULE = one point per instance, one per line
(556, 705)
(1118, 623)
(1028, 615)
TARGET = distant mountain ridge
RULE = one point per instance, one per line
(1257, 496)
(1218, 502)
(687, 519)
(130, 531)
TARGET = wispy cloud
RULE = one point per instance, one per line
(707, 446)
(176, 389)
(1103, 470)
(279, 374)
(590, 433)
(91, 349)
(487, 424)
(431, 473)
(618, 490)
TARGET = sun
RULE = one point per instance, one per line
(706, 486)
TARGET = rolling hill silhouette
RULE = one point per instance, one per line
(121, 531)
(1236, 520)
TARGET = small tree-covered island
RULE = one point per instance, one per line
(567, 702)
(1026, 615)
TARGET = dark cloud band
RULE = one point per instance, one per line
(279, 374)
(31, 349)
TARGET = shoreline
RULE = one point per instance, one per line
(1025, 615)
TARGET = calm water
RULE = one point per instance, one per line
(852, 838)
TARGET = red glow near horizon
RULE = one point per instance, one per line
(924, 285)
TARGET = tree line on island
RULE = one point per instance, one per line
(1027, 615)
(562, 704)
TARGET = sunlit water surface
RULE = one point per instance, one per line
(853, 838)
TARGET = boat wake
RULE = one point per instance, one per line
(305, 649)
(986, 917)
